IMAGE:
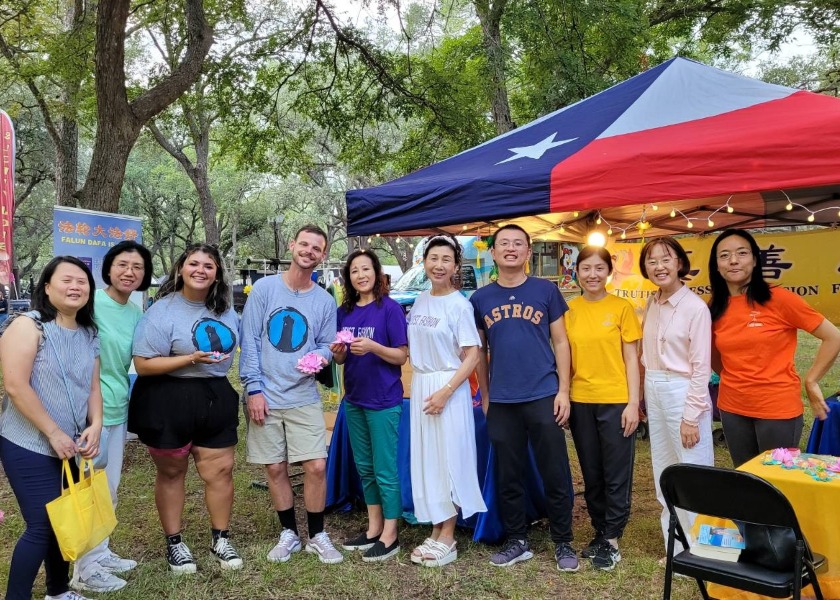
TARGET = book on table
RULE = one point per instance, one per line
(720, 543)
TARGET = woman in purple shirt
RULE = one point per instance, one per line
(373, 396)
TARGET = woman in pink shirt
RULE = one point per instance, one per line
(676, 355)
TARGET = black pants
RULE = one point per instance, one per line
(606, 460)
(511, 427)
(747, 437)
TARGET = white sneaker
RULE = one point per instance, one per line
(323, 547)
(225, 553)
(289, 542)
(98, 580)
(71, 595)
(116, 564)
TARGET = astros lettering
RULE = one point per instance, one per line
(512, 311)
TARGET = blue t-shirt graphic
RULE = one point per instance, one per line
(516, 324)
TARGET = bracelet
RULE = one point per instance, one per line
(192, 360)
(690, 424)
(452, 389)
(254, 392)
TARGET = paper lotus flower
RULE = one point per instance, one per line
(344, 337)
(247, 289)
(310, 363)
(785, 456)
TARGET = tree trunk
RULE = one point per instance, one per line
(208, 205)
(490, 17)
(66, 160)
(119, 122)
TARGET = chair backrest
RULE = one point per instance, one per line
(727, 494)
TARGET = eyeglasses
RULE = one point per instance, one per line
(517, 244)
(740, 254)
(665, 262)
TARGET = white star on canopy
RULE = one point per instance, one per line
(537, 150)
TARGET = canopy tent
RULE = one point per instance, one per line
(682, 138)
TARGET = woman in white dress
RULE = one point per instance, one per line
(444, 344)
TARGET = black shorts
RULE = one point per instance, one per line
(170, 412)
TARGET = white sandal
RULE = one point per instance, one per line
(443, 554)
(423, 548)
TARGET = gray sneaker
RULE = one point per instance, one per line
(323, 547)
(512, 552)
(71, 595)
(116, 564)
(566, 557)
(98, 580)
(288, 544)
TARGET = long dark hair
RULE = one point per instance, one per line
(218, 298)
(351, 295)
(41, 302)
(129, 246)
(757, 290)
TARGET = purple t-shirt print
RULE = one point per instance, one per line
(369, 381)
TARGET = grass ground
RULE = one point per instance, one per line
(255, 528)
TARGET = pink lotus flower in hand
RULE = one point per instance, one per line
(310, 363)
(344, 337)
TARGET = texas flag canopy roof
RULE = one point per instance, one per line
(681, 135)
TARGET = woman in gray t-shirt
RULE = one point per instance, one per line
(182, 404)
(52, 411)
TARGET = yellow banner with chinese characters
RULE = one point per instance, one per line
(805, 262)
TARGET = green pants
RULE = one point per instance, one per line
(373, 437)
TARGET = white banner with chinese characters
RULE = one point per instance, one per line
(805, 262)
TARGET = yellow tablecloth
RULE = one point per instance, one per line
(817, 506)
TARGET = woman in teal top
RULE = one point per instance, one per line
(126, 268)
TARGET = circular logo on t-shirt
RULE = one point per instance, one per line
(210, 335)
(287, 329)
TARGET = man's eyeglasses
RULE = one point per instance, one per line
(505, 244)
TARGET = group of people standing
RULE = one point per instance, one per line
(542, 365)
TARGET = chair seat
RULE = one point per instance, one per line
(741, 575)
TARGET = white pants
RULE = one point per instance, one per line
(665, 394)
(116, 450)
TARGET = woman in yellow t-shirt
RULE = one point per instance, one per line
(603, 333)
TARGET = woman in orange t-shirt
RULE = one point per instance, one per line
(754, 329)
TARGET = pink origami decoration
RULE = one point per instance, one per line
(310, 363)
(785, 456)
(344, 337)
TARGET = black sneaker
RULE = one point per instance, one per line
(180, 558)
(380, 551)
(606, 557)
(360, 542)
(592, 547)
(226, 554)
(512, 552)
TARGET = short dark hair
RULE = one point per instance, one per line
(670, 244)
(599, 251)
(311, 228)
(351, 295)
(446, 240)
(129, 246)
(219, 297)
(514, 227)
(758, 290)
(41, 302)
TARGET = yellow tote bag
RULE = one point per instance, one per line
(83, 515)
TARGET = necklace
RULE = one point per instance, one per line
(660, 333)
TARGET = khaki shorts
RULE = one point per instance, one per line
(288, 435)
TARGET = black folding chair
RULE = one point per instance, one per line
(777, 560)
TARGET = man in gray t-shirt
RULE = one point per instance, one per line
(285, 318)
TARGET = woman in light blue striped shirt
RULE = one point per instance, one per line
(52, 411)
